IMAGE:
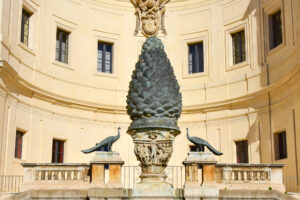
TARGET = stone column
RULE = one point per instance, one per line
(205, 188)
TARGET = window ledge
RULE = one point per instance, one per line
(107, 75)
(26, 48)
(64, 65)
(237, 66)
(18, 160)
(195, 75)
(275, 49)
(281, 159)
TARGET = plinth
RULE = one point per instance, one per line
(114, 162)
(205, 188)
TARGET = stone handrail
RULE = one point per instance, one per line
(55, 174)
(264, 176)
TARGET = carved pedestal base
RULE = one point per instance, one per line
(153, 148)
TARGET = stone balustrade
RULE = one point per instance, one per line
(55, 175)
(250, 176)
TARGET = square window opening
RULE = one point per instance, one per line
(19, 144)
(196, 58)
(58, 151)
(104, 57)
(62, 46)
(275, 29)
(238, 47)
(280, 145)
(242, 151)
(25, 26)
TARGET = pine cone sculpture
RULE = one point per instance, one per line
(154, 99)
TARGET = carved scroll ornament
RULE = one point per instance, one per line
(150, 13)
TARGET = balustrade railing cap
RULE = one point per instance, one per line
(56, 164)
(107, 162)
(250, 165)
(200, 162)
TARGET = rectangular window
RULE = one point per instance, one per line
(238, 47)
(18, 144)
(275, 29)
(104, 57)
(196, 58)
(242, 151)
(280, 145)
(62, 45)
(25, 26)
(58, 151)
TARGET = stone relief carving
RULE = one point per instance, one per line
(153, 151)
(150, 13)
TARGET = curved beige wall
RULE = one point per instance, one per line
(73, 102)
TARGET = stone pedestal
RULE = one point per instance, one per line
(205, 188)
(114, 163)
(153, 148)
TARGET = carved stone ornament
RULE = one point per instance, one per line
(153, 148)
(150, 13)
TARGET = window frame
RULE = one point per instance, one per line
(19, 147)
(23, 35)
(271, 29)
(230, 29)
(104, 56)
(269, 9)
(241, 46)
(67, 34)
(68, 26)
(110, 38)
(55, 157)
(190, 38)
(33, 9)
(197, 61)
(277, 147)
(245, 154)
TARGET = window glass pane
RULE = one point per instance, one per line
(58, 151)
(25, 26)
(18, 144)
(62, 38)
(242, 151)
(280, 145)
(276, 30)
(238, 47)
(104, 57)
(196, 58)
(107, 61)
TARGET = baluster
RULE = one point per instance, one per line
(63, 177)
(75, 175)
(68, 175)
(55, 175)
(242, 175)
(254, 175)
(37, 175)
(42, 175)
(248, 175)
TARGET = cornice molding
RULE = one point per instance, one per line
(27, 89)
